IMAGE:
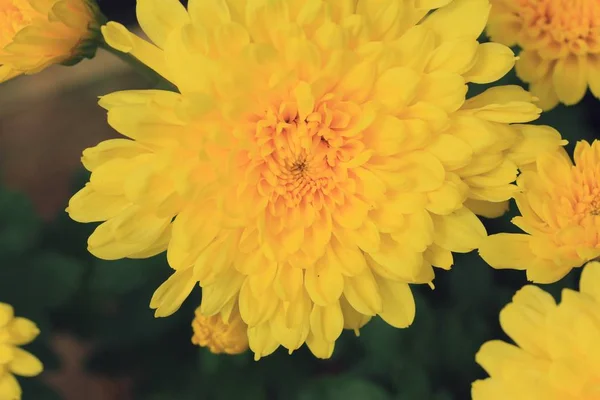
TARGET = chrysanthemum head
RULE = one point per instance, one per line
(560, 42)
(555, 354)
(320, 157)
(559, 204)
(14, 332)
(221, 334)
(36, 34)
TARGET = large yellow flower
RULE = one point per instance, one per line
(557, 351)
(560, 42)
(37, 33)
(14, 332)
(560, 213)
(319, 157)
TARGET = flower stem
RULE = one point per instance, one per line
(156, 80)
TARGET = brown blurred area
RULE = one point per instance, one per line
(46, 120)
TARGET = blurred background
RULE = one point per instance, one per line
(99, 338)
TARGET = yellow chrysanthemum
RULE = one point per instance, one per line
(560, 45)
(557, 351)
(560, 213)
(220, 334)
(14, 332)
(319, 157)
(37, 33)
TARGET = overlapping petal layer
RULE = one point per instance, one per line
(319, 157)
(15, 332)
(560, 42)
(35, 34)
(560, 215)
(555, 355)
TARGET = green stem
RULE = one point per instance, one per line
(156, 80)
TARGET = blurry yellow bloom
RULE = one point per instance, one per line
(15, 331)
(560, 42)
(557, 351)
(319, 157)
(37, 33)
(560, 213)
(220, 334)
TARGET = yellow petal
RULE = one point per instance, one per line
(530, 67)
(88, 205)
(460, 231)
(507, 251)
(158, 18)
(487, 209)
(398, 304)
(324, 283)
(504, 360)
(352, 318)
(460, 18)
(209, 13)
(525, 317)
(362, 293)
(327, 322)
(320, 347)
(119, 38)
(7, 313)
(570, 79)
(506, 104)
(439, 257)
(456, 56)
(536, 139)
(446, 90)
(494, 60)
(25, 363)
(590, 280)
(396, 88)
(593, 74)
(452, 151)
(9, 387)
(172, 293)
(22, 331)
(261, 341)
(256, 310)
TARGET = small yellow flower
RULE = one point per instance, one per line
(556, 355)
(560, 213)
(221, 334)
(35, 34)
(320, 157)
(15, 331)
(560, 42)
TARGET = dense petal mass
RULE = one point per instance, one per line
(14, 332)
(560, 45)
(318, 158)
(560, 214)
(37, 33)
(555, 356)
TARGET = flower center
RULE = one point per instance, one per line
(301, 159)
(14, 15)
(564, 20)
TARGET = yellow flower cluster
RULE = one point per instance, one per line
(319, 157)
(14, 332)
(37, 33)
(560, 214)
(555, 355)
(560, 45)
